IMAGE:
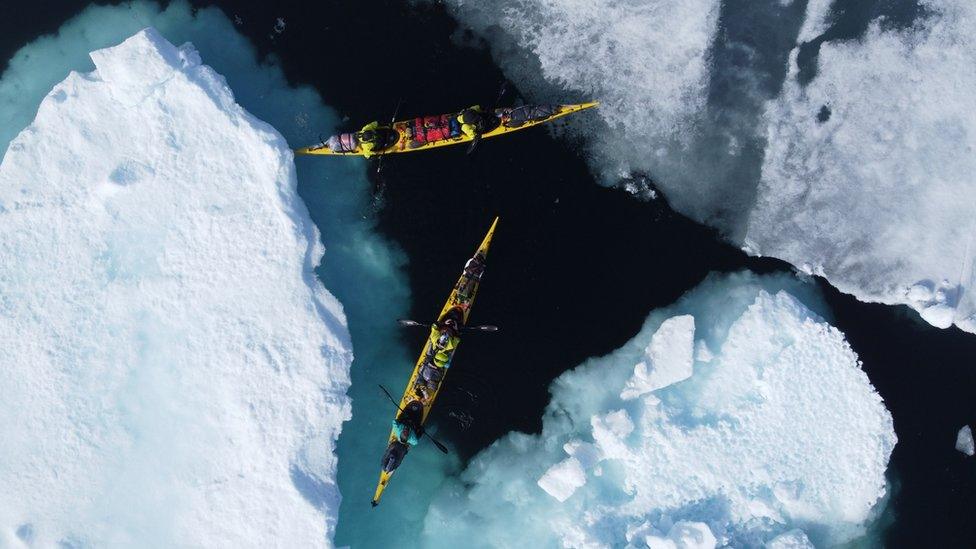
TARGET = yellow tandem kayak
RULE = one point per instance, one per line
(432, 365)
(430, 132)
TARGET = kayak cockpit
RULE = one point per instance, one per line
(348, 142)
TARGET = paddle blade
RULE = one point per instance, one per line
(440, 446)
(410, 323)
(474, 144)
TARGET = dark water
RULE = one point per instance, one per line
(575, 267)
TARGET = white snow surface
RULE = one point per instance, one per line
(683, 535)
(646, 61)
(794, 539)
(881, 198)
(964, 441)
(175, 374)
(669, 358)
(816, 20)
(780, 436)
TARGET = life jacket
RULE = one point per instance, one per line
(398, 431)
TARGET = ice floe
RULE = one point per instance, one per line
(175, 373)
(778, 438)
(880, 197)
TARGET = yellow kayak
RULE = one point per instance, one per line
(431, 132)
(434, 361)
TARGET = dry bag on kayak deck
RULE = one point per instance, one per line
(431, 129)
(344, 142)
(528, 113)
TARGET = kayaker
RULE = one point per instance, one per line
(369, 139)
(475, 122)
(407, 426)
(449, 327)
(404, 433)
(445, 336)
(393, 456)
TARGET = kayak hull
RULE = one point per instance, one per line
(412, 135)
(463, 294)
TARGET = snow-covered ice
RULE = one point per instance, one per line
(683, 535)
(646, 61)
(794, 539)
(779, 437)
(175, 372)
(880, 198)
(964, 441)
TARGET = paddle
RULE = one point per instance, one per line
(413, 323)
(396, 111)
(421, 431)
(491, 112)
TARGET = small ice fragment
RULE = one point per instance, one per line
(669, 358)
(563, 478)
(964, 441)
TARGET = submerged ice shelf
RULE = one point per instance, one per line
(859, 175)
(760, 428)
(176, 372)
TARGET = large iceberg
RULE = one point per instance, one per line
(869, 178)
(862, 175)
(339, 203)
(175, 372)
(775, 436)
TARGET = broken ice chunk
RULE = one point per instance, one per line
(563, 478)
(964, 441)
(669, 358)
